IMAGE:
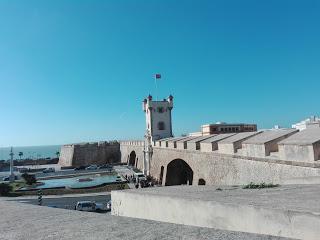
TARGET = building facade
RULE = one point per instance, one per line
(312, 122)
(222, 127)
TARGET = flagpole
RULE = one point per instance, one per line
(155, 82)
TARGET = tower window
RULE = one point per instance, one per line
(161, 126)
(160, 110)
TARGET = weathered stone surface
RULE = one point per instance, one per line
(303, 146)
(89, 153)
(289, 211)
(211, 144)
(28, 222)
(194, 144)
(231, 144)
(263, 144)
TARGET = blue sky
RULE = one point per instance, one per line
(73, 71)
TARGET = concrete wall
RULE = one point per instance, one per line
(206, 147)
(316, 147)
(227, 148)
(214, 214)
(300, 153)
(256, 150)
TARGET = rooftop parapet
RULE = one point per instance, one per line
(194, 144)
(182, 144)
(231, 144)
(303, 146)
(211, 144)
(172, 142)
(263, 144)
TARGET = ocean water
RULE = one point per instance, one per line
(33, 152)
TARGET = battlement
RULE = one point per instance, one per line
(281, 144)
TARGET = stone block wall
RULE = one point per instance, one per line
(301, 153)
(223, 169)
(89, 153)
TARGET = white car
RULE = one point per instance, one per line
(140, 177)
(87, 206)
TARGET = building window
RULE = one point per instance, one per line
(161, 126)
(160, 110)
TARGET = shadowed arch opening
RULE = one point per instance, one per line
(201, 181)
(178, 173)
(132, 158)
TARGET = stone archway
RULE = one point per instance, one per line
(201, 181)
(178, 173)
(132, 158)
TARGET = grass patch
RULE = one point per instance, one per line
(260, 185)
(17, 184)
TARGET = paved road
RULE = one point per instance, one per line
(65, 202)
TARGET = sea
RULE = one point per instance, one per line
(32, 152)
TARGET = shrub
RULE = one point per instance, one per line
(30, 179)
(259, 186)
(5, 189)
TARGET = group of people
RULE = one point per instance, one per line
(130, 178)
(138, 182)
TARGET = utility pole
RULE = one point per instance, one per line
(11, 177)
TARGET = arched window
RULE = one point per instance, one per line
(161, 126)
(160, 110)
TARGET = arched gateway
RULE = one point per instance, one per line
(178, 173)
(132, 158)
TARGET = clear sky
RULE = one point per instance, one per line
(74, 71)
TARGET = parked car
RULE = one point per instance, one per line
(8, 178)
(140, 177)
(87, 206)
(23, 170)
(100, 207)
(92, 167)
(109, 205)
(80, 168)
(49, 170)
(106, 166)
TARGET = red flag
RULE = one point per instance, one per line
(158, 76)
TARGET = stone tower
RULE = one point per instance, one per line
(158, 117)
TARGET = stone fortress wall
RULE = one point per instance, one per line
(277, 156)
(84, 154)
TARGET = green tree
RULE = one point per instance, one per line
(20, 155)
(58, 154)
(29, 178)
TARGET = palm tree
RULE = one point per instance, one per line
(58, 154)
(20, 155)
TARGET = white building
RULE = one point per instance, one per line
(158, 117)
(312, 122)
